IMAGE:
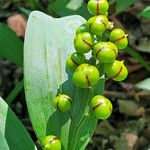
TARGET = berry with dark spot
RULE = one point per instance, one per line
(98, 7)
(85, 76)
(102, 107)
(116, 70)
(119, 38)
(62, 102)
(74, 60)
(51, 142)
(84, 42)
(105, 52)
(97, 24)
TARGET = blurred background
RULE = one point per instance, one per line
(129, 126)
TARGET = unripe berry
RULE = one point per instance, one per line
(82, 28)
(102, 107)
(84, 42)
(104, 52)
(114, 47)
(116, 70)
(62, 103)
(85, 76)
(74, 60)
(97, 24)
(51, 142)
(98, 7)
(119, 38)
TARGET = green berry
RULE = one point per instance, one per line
(114, 47)
(62, 103)
(74, 60)
(98, 7)
(110, 25)
(119, 38)
(82, 28)
(85, 76)
(51, 142)
(102, 107)
(116, 70)
(84, 42)
(104, 52)
(97, 24)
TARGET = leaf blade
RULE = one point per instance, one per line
(12, 129)
(10, 48)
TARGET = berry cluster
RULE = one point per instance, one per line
(86, 73)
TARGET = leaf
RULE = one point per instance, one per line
(145, 13)
(70, 7)
(11, 47)
(123, 4)
(3, 142)
(138, 57)
(14, 92)
(48, 42)
(144, 85)
(12, 132)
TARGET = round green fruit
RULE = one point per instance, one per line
(98, 7)
(104, 52)
(82, 28)
(84, 42)
(102, 107)
(51, 142)
(62, 103)
(85, 76)
(97, 24)
(114, 48)
(74, 60)
(116, 70)
(119, 38)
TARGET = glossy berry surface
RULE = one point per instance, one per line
(102, 107)
(114, 48)
(97, 24)
(74, 60)
(85, 76)
(82, 28)
(104, 52)
(51, 142)
(84, 42)
(98, 7)
(119, 38)
(117, 70)
(62, 103)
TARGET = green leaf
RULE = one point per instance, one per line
(11, 46)
(48, 42)
(3, 142)
(14, 92)
(70, 7)
(145, 13)
(138, 57)
(144, 85)
(12, 133)
(123, 4)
